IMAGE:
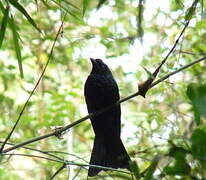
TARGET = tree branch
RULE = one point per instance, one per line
(63, 129)
(145, 86)
(65, 162)
(58, 171)
(40, 151)
(175, 72)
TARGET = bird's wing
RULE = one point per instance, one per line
(94, 93)
(101, 92)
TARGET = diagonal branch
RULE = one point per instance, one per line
(171, 50)
(143, 89)
(145, 86)
(37, 150)
(178, 70)
(63, 129)
(58, 171)
(35, 87)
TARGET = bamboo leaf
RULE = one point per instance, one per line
(135, 169)
(140, 30)
(151, 169)
(150, 75)
(24, 12)
(67, 10)
(85, 5)
(191, 10)
(202, 9)
(199, 144)
(70, 4)
(1, 7)
(16, 45)
(3, 25)
(101, 2)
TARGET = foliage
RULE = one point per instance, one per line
(163, 133)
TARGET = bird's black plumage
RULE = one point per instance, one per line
(100, 91)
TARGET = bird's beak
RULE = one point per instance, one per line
(92, 60)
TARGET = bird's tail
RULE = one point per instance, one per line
(110, 153)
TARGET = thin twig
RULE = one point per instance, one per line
(77, 173)
(40, 151)
(145, 86)
(175, 72)
(58, 171)
(58, 131)
(172, 49)
(35, 87)
(33, 156)
(68, 154)
(48, 135)
(50, 153)
(65, 162)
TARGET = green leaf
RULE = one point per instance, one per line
(176, 5)
(46, 4)
(1, 98)
(1, 7)
(148, 72)
(85, 5)
(24, 12)
(197, 94)
(197, 117)
(70, 4)
(67, 10)
(135, 169)
(16, 45)
(139, 19)
(151, 169)
(3, 25)
(198, 140)
(191, 10)
(177, 152)
(180, 167)
(101, 2)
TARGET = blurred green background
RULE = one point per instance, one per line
(165, 133)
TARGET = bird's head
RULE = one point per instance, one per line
(98, 67)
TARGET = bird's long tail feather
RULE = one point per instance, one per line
(112, 154)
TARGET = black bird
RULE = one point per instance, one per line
(100, 91)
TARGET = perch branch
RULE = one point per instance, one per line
(60, 130)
